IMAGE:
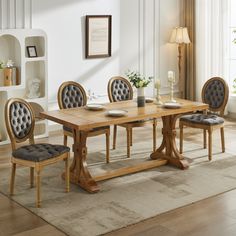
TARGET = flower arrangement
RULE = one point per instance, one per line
(137, 79)
(234, 40)
(2, 65)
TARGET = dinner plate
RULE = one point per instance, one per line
(94, 107)
(172, 105)
(116, 113)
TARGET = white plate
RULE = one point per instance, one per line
(94, 107)
(116, 113)
(171, 105)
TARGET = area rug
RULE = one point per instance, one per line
(125, 200)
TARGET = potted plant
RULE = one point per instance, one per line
(139, 82)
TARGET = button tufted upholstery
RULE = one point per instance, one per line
(203, 119)
(39, 152)
(214, 94)
(20, 119)
(120, 90)
(72, 96)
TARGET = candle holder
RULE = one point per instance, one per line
(158, 98)
(172, 91)
(157, 86)
(171, 79)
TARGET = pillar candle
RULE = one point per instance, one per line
(157, 84)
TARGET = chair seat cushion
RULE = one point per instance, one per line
(203, 119)
(39, 152)
(95, 129)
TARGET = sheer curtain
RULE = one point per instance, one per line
(211, 41)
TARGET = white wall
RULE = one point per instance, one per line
(64, 22)
(145, 31)
(140, 34)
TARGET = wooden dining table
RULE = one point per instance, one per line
(81, 120)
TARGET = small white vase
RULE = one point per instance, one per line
(140, 97)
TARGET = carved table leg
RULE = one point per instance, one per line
(79, 173)
(168, 149)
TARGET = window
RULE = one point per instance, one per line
(232, 45)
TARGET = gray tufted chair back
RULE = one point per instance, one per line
(70, 95)
(19, 118)
(119, 89)
(215, 92)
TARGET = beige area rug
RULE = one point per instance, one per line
(125, 200)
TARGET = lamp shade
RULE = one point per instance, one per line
(180, 35)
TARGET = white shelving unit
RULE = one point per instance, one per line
(13, 46)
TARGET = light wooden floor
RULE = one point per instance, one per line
(212, 216)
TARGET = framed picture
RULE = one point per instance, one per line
(98, 36)
(31, 51)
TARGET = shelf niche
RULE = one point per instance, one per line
(38, 42)
(10, 49)
(36, 69)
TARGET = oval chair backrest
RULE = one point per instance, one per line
(70, 95)
(215, 92)
(20, 121)
(119, 89)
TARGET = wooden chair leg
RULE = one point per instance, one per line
(38, 188)
(131, 137)
(12, 183)
(65, 140)
(222, 134)
(128, 142)
(67, 173)
(154, 134)
(204, 139)
(210, 144)
(114, 136)
(108, 146)
(31, 177)
(181, 134)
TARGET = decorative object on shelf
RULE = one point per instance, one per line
(234, 86)
(32, 52)
(34, 88)
(2, 65)
(171, 80)
(139, 82)
(98, 36)
(10, 73)
(158, 96)
(180, 36)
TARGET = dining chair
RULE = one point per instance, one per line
(120, 89)
(20, 122)
(215, 93)
(71, 95)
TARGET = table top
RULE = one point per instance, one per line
(84, 119)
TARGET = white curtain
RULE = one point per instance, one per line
(211, 41)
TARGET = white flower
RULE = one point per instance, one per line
(141, 83)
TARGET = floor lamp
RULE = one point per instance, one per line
(180, 36)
